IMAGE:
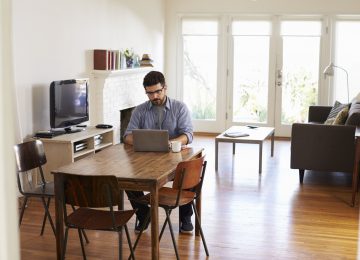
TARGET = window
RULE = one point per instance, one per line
(264, 69)
(300, 68)
(251, 41)
(347, 56)
(200, 48)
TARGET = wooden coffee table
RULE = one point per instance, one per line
(256, 136)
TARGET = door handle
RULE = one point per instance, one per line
(279, 78)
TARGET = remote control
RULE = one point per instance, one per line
(252, 126)
(103, 126)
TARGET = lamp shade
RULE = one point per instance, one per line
(329, 70)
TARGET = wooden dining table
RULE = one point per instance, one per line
(138, 171)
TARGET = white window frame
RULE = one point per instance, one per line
(218, 124)
(225, 77)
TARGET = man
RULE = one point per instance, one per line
(160, 112)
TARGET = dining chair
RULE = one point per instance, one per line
(88, 196)
(186, 188)
(30, 156)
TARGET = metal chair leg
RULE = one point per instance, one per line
(85, 236)
(22, 210)
(163, 227)
(48, 215)
(201, 231)
(82, 244)
(44, 219)
(141, 231)
(132, 255)
(172, 234)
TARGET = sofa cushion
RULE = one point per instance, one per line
(354, 114)
(356, 99)
(337, 109)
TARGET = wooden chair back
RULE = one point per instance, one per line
(91, 191)
(189, 174)
(29, 155)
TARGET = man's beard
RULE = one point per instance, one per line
(157, 101)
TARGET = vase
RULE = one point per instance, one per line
(129, 62)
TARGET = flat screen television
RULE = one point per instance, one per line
(68, 103)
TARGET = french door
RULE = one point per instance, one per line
(297, 71)
(203, 88)
(251, 70)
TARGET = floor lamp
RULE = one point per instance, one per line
(329, 71)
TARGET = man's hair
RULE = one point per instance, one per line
(153, 78)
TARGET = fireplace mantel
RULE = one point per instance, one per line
(124, 72)
(112, 91)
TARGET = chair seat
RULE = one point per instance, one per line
(94, 219)
(168, 197)
(39, 190)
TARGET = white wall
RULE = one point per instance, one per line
(53, 40)
(9, 241)
(174, 8)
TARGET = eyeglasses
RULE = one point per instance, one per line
(158, 92)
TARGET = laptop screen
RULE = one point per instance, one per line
(150, 140)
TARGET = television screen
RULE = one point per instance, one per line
(68, 102)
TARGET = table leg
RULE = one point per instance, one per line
(260, 157)
(272, 144)
(234, 148)
(216, 154)
(59, 215)
(355, 178)
(154, 222)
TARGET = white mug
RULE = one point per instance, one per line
(175, 146)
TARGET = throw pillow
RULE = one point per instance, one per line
(341, 116)
(336, 109)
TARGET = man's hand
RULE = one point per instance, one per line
(182, 138)
(129, 139)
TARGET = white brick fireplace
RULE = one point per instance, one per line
(112, 91)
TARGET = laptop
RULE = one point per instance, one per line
(150, 140)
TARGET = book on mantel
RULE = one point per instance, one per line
(107, 59)
(101, 59)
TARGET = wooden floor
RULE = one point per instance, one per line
(245, 215)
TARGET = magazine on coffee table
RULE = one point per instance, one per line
(236, 134)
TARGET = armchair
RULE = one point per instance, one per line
(316, 146)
